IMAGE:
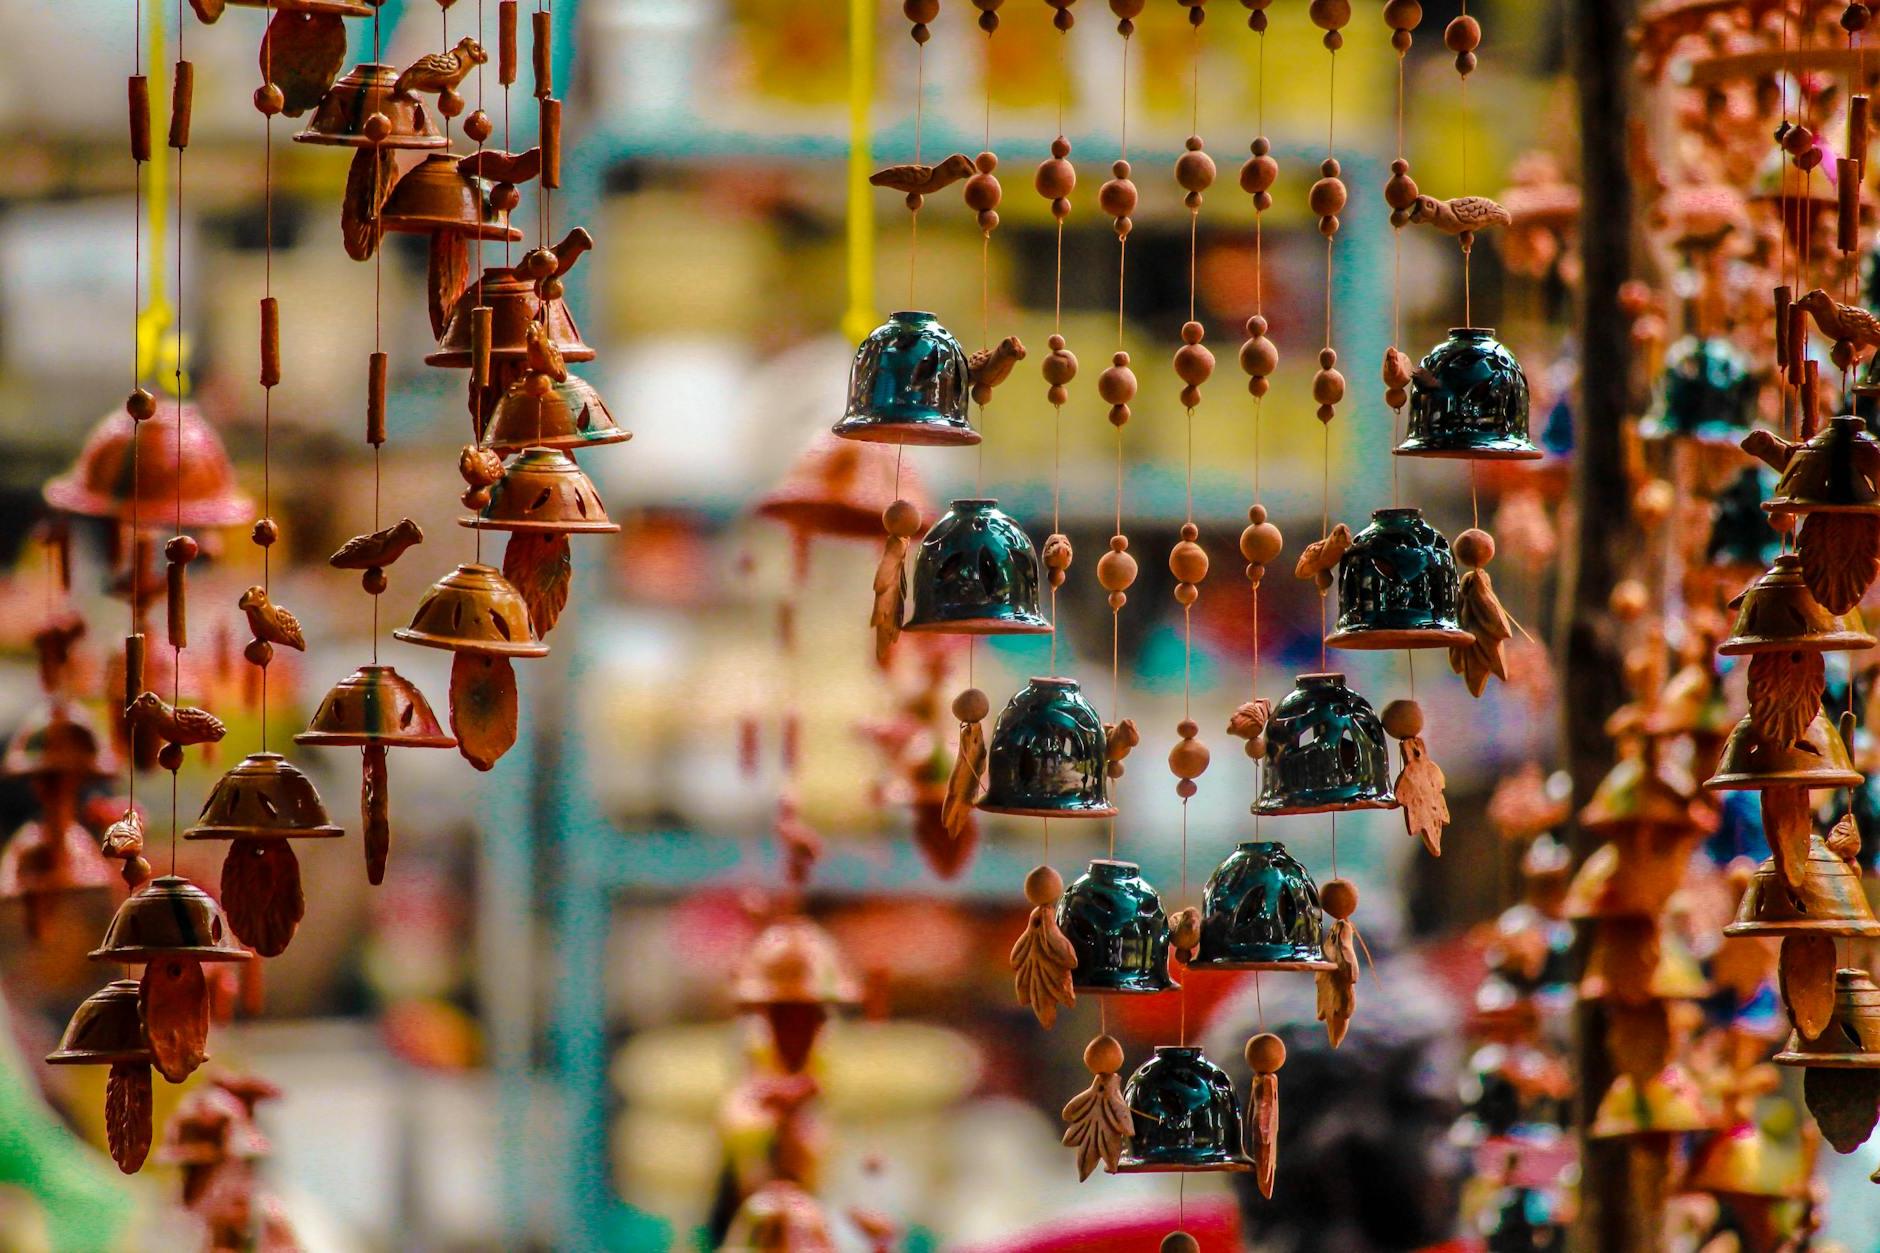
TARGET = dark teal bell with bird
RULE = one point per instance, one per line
(976, 573)
(1187, 1117)
(1114, 920)
(1469, 399)
(1707, 392)
(1325, 752)
(1260, 911)
(1047, 758)
(909, 384)
(1397, 586)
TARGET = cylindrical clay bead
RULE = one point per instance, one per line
(480, 330)
(543, 51)
(270, 341)
(375, 401)
(551, 143)
(1785, 296)
(1847, 221)
(139, 90)
(177, 576)
(506, 42)
(133, 667)
(181, 96)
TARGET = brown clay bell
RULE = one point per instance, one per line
(840, 488)
(1778, 614)
(567, 415)
(263, 797)
(543, 490)
(1830, 900)
(362, 111)
(1750, 763)
(435, 196)
(1837, 471)
(339, 8)
(100, 483)
(512, 295)
(473, 609)
(58, 740)
(37, 867)
(107, 1029)
(1852, 1040)
(375, 705)
(168, 917)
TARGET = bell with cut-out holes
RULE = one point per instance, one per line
(1260, 911)
(976, 573)
(1397, 586)
(543, 490)
(1047, 757)
(1113, 918)
(107, 1029)
(1469, 399)
(375, 705)
(435, 197)
(1778, 614)
(513, 303)
(1836, 471)
(345, 113)
(1187, 1117)
(1668, 1103)
(909, 384)
(569, 415)
(168, 917)
(1830, 900)
(1751, 763)
(1325, 752)
(263, 797)
(1852, 1040)
(839, 488)
(473, 609)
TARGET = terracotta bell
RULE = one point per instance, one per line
(1668, 1103)
(513, 304)
(99, 484)
(1837, 471)
(1831, 900)
(1751, 763)
(1778, 614)
(1852, 1040)
(976, 573)
(909, 384)
(263, 797)
(107, 1029)
(543, 490)
(339, 8)
(1187, 1117)
(793, 975)
(473, 609)
(58, 739)
(570, 416)
(36, 864)
(839, 488)
(375, 705)
(1260, 911)
(211, 1126)
(1469, 399)
(1325, 751)
(1397, 586)
(363, 91)
(435, 196)
(1114, 920)
(1640, 790)
(168, 917)
(1047, 755)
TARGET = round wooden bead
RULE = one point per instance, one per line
(1259, 172)
(265, 532)
(1400, 190)
(181, 549)
(1181, 1241)
(1340, 898)
(1330, 15)
(1403, 719)
(1060, 364)
(1266, 1053)
(1194, 364)
(1117, 197)
(1103, 1056)
(1629, 600)
(1328, 387)
(1403, 15)
(1256, 513)
(1854, 18)
(1327, 197)
(920, 10)
(374, 581)
(258, 653)
(1261, 543)
(1043, 886)
(449, 103)
(971, 705)
(377, 128)
(140, 405)
(269, 100)
(478, 126)
(1463, 34)
(1797, 140)
(170, 757)
(1186, 594)
(1256, 746)
(1116, 569)
(1400, 41)
(1117, 384)
(1194, 169)
(982, 193)
(1188, 562)
(1475, 547)
(901, 518)
(1465, 63)
(504, 197)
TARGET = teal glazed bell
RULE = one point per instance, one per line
(1708, 392)
(1114, 920)
(1260, 911)
(1325, 751)
(1469, 399)
(1047, 758)
(1397, 586)
(909, 385)
(976, 574)
(1186, 1115)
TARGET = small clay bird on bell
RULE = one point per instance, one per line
(364, 110)
(909, 384)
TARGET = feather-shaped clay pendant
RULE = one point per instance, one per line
(483, 707)
(1419, 790)
(968, 779)
(127, 1115)
(1266, 1053)
(890, 588)
(1338, 988)
(261, 894)
(368, 182)
(1042, 962)
(1806, 969)
(1097, 1120)
(447, 273)
(1785, 694)
(1845, 1103)
(541, 568)
(1479, 612)
(375, 811)
(174, 998)
(1840, 555)
(1787, 824)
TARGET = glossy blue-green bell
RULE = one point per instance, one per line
(1325, 751)
(1469, 399)
(1260, 911)
(1708, 392)
(1740, 534)
(976, 573)
(1397, 586)
(1114, 919)
(1187, 1115)
(1047, 758)
(909, 385)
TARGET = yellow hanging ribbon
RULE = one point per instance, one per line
(859, 319)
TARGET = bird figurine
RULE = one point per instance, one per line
(480, 467)
(269, 621)
(1250, 719)
(1461, 217)
(441, 71)
(176, 724)
(990, 367)
(1845, 324)
(1320, 556)
(498, 166)
(377, 549)
(1844, 840)
(541, 355)
(924, 180)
